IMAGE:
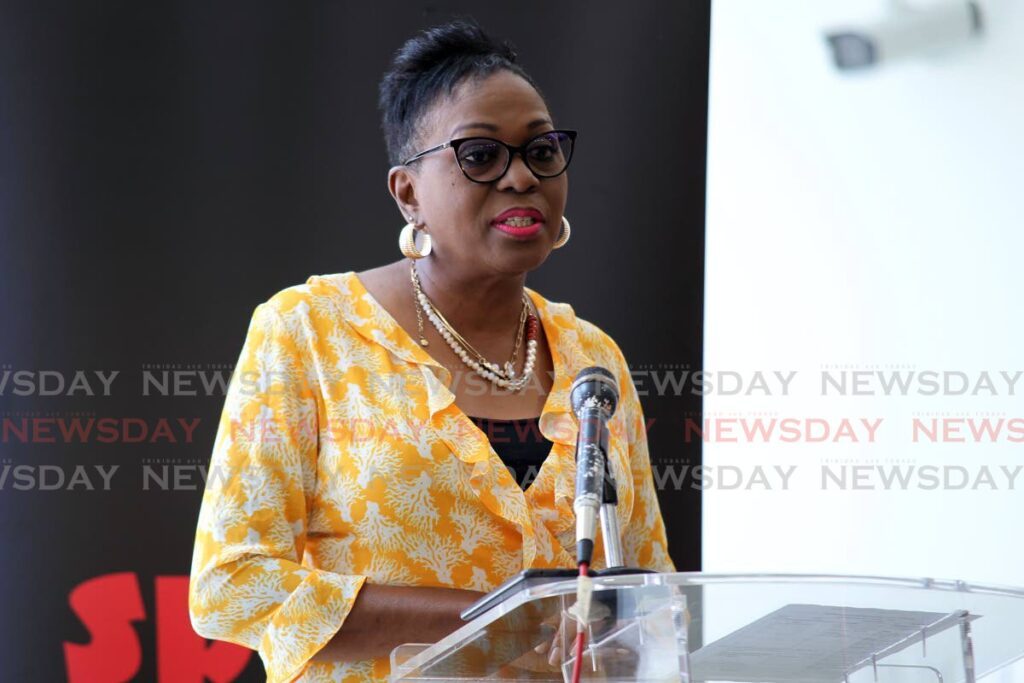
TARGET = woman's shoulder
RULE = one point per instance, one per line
(318, 306)
(572, 330)
(312, 295)
(304, 294)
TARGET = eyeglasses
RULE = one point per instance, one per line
(485, 160)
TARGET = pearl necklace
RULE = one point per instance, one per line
(505, 378)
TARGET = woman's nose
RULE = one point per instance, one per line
(519, 176)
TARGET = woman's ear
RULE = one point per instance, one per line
(402, 186)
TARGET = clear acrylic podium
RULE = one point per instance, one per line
(695, 627)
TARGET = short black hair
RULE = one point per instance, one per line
(430, 65)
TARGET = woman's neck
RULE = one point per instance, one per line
(474, 304)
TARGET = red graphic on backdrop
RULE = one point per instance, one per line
(108, 605)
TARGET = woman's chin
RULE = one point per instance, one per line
(522, 260)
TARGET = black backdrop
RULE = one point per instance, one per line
(166, 167)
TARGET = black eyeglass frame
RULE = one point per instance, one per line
(512, 151)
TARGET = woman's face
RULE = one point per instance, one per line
(460, 215)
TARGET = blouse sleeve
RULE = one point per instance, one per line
(247, 583)
(645, 544)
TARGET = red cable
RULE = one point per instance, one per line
(577, 667)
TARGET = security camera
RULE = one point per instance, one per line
(907, 31)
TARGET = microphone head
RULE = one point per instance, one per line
(594, 387)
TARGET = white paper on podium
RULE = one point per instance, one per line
(810, 643)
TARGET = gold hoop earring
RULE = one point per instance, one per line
(407, 242)
(563, 236)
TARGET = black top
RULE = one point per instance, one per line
(519, 444)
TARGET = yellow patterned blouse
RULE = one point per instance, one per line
(341, 457)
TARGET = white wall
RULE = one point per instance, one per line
(870, 221)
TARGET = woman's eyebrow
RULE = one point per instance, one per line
(493, 128)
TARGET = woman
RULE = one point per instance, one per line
(356, 501)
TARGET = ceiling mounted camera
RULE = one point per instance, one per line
(908, 30)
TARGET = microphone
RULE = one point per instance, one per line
(594, 395)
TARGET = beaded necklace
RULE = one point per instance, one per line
(502, 377)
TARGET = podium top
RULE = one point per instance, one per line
(778, 628)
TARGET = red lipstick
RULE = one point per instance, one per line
(517, 223)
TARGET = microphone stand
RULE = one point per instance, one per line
(611, 536)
